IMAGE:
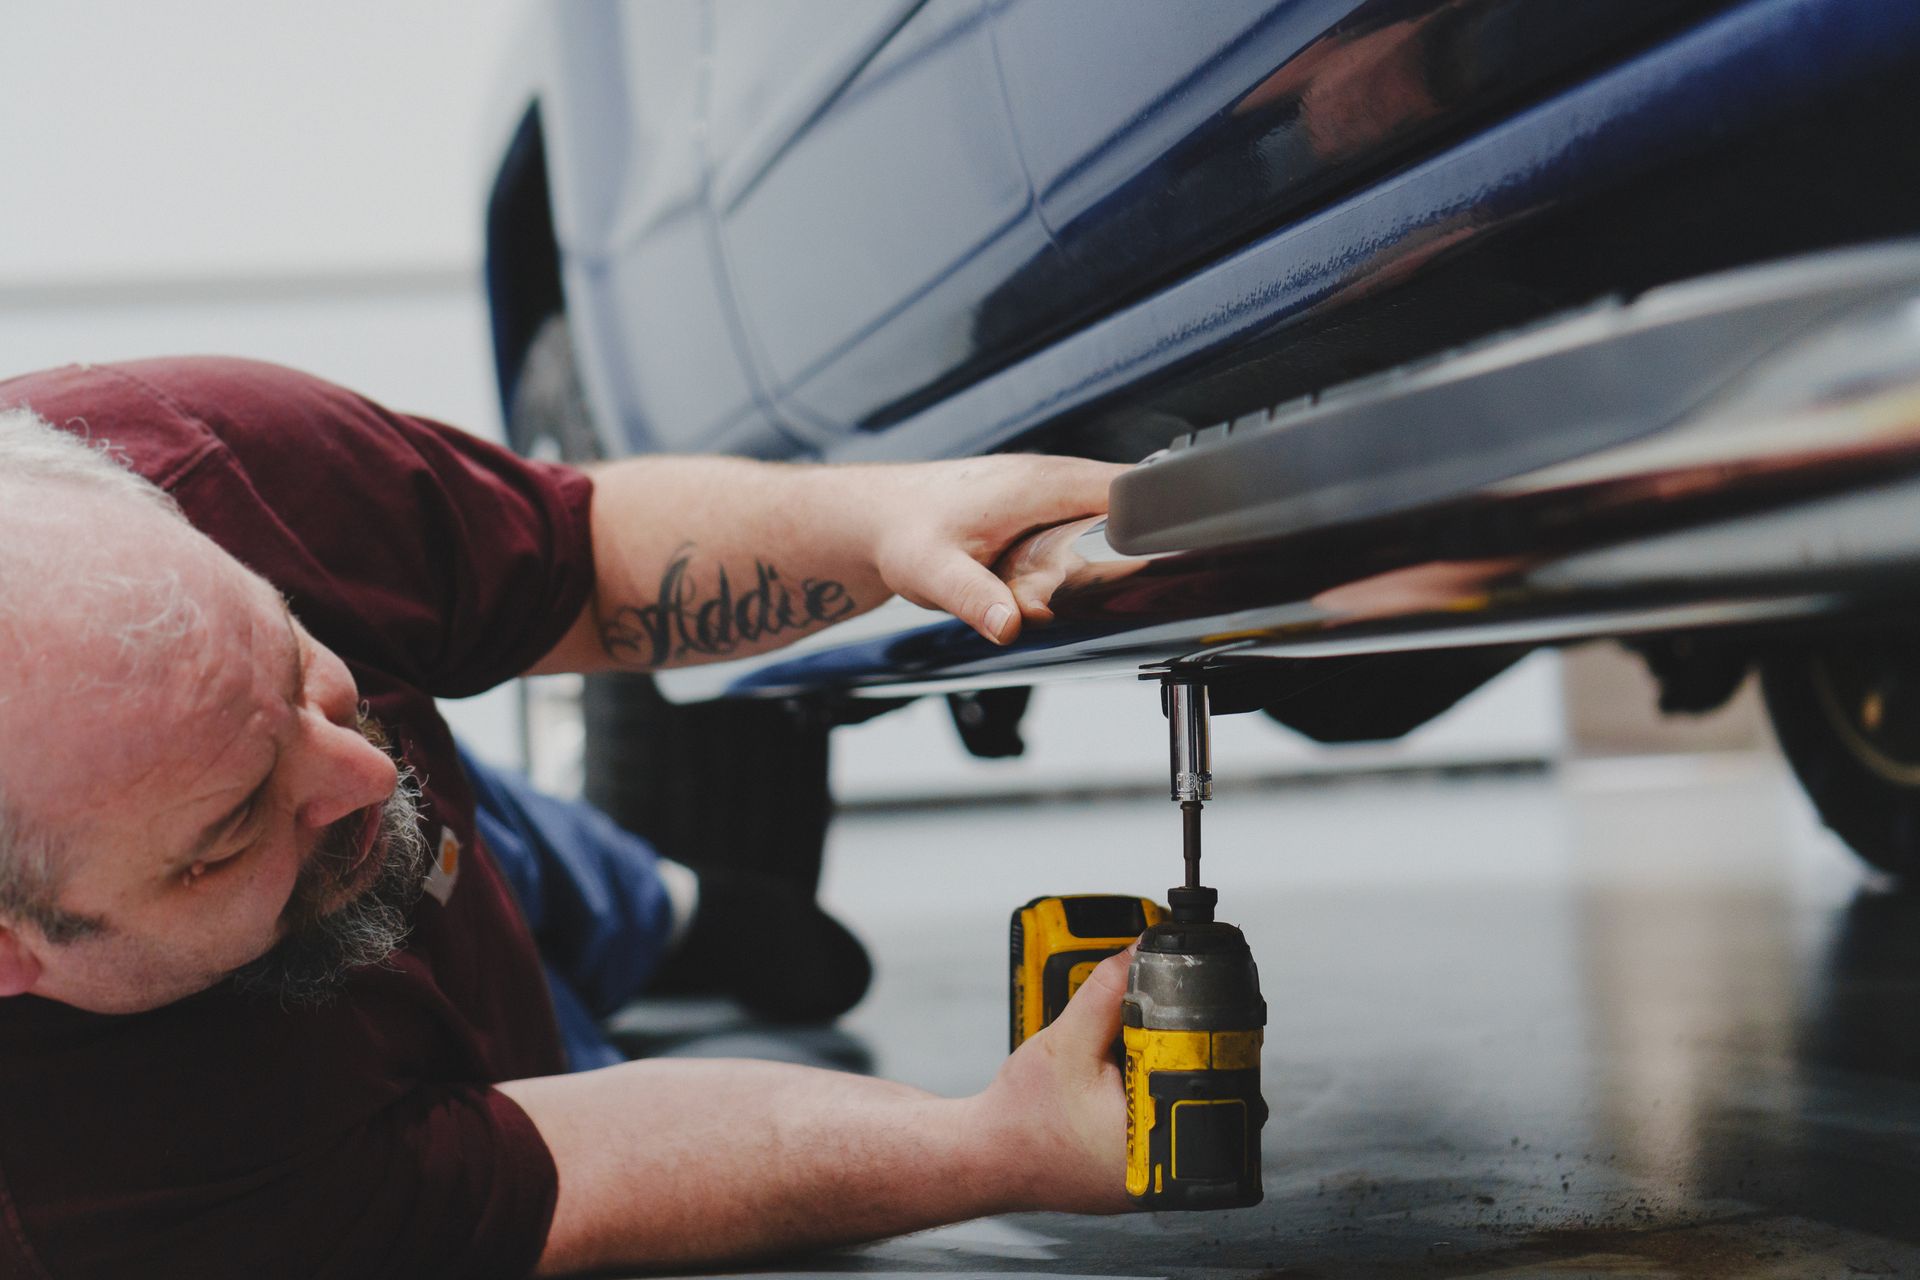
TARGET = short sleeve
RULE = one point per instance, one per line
(407, 545)
(449, 1182)
(226, 1137)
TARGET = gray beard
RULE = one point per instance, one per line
(312, 963)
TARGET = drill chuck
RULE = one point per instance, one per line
(1192, 1024)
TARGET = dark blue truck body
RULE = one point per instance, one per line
(1087, 225)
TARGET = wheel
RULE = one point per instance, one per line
(738, 784)
(733, 784)
(548, 417)
(1847, 714)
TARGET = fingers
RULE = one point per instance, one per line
(946, 565)
(1034, 591)
(1090, 1022)
(972, 593)
(1075, 487)
(1035, 566)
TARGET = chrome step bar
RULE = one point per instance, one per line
(1782, 484)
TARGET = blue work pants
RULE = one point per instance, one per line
(591, 893)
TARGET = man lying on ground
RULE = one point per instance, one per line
(268, 1005)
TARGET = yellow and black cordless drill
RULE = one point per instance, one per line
(1192, 1019)
(1057, 941)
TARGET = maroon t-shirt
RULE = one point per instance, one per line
(224, 1136)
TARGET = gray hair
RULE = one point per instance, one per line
(35, 454)
(30, 885)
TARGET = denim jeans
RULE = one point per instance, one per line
(591, 893)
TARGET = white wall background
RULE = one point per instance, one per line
(290, 182)
(306, 184)
(234, 140)
(293, 183)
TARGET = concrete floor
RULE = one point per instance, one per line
(1631, 1018)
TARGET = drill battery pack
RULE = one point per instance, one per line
(1055, 942)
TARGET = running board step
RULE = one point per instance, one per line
(1448, 426)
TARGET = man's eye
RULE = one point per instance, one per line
(207, 867)
(253, 819)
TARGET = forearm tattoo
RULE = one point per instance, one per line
(685, 623)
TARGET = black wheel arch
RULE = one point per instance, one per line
(522, 252)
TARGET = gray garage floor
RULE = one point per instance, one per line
(1638, 1018)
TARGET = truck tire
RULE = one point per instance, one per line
(548, 416)
(1847, 714)
(740, 784)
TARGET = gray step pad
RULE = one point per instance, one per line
(1451, 425)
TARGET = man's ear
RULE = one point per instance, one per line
(19, 967)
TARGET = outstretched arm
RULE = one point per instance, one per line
(678, 1162)
(701, 559)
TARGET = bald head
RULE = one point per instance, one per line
(73, 521)
(92, 603)
(34, 453)
(189, 789)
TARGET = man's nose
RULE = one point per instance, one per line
(344, 773)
